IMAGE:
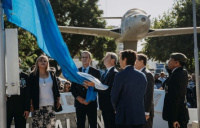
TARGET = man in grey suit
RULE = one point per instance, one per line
(105, 105)
(140, 64)
(127, 95)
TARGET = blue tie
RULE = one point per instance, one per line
(104, 75)
(84, 69)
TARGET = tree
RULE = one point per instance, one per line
(28, 48)
(82, 13)
(160, 48)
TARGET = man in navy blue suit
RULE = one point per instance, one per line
(79, 92)
(127, 95)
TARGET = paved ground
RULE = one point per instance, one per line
(189, 126)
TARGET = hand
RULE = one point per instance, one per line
(89, 83)
(86, 86)
(86, 103)
(80, 99)
(176, 124)
(31, 108)
(58, 104)
(26, 114)
(161, 88)
(147, 117)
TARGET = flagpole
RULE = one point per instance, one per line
(2, 72)
(196, 58)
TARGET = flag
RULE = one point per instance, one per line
(7, 4)
(36, 16)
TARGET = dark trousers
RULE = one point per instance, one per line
(149, 123)
(182, 124)
(15, 109)
(90, 111)
(109, 119)
(129, 126)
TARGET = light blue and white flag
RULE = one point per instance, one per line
(36, 16)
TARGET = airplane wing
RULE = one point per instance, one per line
(109, 17)
(113, 33)
(171, 31)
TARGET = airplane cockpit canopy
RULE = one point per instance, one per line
(134, 11)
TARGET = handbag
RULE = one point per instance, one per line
(58, 109)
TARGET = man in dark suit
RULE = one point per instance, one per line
(175, 110)
(140, 64)
(107, 78)
(18, 106)
(127, 95)
(79, 92)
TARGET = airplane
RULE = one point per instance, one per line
(135, 25)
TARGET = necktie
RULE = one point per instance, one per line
(104, 75)
(84, 69)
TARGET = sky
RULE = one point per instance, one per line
(117, 8)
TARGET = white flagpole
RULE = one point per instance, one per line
(2, 72)
(196, 58)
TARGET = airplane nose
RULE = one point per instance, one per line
(143, 19)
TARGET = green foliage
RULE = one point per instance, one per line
(82, 13)
(100, 47)
(28, 48)
(160, 48)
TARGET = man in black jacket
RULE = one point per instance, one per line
(108, 112)
(175, 110)
(18, 106)
(140, 64)
(79, 92)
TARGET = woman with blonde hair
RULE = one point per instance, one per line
(45, 97)
(67, 86)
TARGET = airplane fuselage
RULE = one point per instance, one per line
(135, 25)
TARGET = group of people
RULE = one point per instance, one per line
(159, 80)
(127, 103)
(66, 87)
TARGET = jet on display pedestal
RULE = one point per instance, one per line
(135, 25)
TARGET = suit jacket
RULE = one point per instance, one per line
(174, 108)
(127, 97)
(24, 91)
(148, 100)
(79, 90)
(104, 95)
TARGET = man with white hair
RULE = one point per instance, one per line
(108, 112)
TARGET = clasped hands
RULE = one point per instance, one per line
(82, 100)
(176, 124)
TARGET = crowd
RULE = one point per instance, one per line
(191, 87)
(127, 103)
